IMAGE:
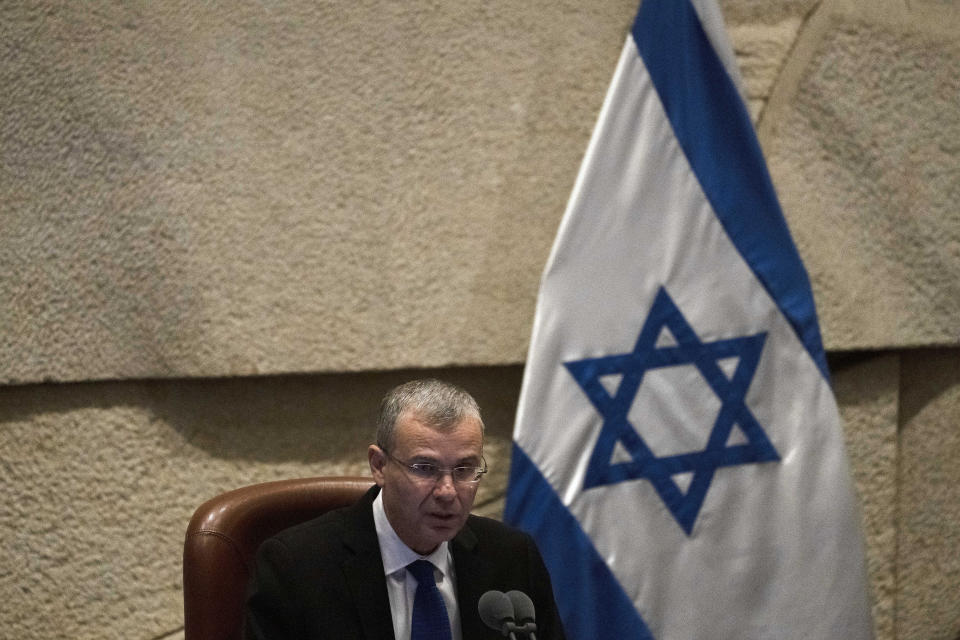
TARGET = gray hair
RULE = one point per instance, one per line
(440, 405)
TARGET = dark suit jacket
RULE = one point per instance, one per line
(324, 579)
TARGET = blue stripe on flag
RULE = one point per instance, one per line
(584, 587)
(714, 130)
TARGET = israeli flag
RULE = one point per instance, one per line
(678, 453)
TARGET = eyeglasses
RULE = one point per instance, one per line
(429, 472)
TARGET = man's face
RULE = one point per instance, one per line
(424, 513)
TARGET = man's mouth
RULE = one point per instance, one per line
(444, 517)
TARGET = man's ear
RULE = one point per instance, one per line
(378, 460)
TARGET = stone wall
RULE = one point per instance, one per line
(229, 227)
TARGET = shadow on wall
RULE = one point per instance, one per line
(309, 418)
(312, 418)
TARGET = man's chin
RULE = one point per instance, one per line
(432, 538)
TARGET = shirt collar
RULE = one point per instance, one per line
(395, 554)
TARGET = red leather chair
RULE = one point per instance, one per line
(223, 536)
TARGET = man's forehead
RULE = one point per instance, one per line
(412, 417)
(414, 431)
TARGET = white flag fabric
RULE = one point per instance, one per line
(678, 453)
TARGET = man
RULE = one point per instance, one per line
(354, 572)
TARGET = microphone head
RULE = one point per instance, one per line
(522, 605)
(496, 611)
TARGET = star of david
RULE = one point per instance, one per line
(641, 463)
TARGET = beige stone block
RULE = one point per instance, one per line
(238, 188)
(867, 388)
(761, 51)
(765, 12)
(928, 562)
(859, 140)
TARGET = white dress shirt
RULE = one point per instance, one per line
(402, 586)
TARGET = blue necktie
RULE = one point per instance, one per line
(430, 621)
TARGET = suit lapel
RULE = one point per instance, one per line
(363, 570)
(473, 579)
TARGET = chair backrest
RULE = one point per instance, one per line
(223, 536)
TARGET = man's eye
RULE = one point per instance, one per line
(465, 473)
(424, 469)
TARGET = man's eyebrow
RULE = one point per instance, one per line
(469, 461)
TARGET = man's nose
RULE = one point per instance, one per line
(444, 487)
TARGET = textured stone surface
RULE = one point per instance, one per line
(762, 33)
(863, 153)
(204, 190)
(765, 12)
(761, 51)
(240, 188)
(867, 387)
(928, 562)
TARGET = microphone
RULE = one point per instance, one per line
(496, 611)
(523, 611)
